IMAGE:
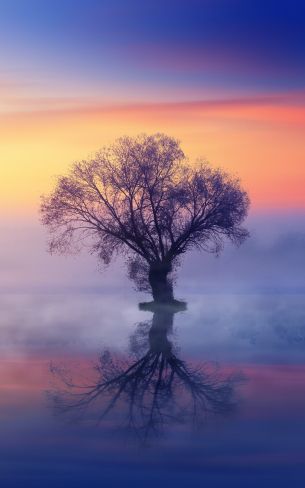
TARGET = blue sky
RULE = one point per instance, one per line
(228, 45)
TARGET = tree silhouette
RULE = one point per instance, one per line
(140, 197)
(154, 389)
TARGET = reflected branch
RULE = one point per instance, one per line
(154, 389)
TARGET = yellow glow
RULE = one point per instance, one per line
(263, 144)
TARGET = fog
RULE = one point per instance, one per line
(271, 260)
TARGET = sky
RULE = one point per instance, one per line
(225, 77)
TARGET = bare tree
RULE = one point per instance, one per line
(154, 389)
(141, 197)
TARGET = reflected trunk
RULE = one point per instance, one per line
(162, 325)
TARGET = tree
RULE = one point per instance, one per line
(141, 197)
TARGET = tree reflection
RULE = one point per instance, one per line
(153, 388)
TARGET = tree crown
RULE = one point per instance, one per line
(141, 197)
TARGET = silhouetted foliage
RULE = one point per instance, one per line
(155, 389)
(141, 197)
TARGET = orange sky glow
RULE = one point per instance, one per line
(261, 141)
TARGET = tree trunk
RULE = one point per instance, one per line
(161, 286)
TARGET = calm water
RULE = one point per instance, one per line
(244, 358)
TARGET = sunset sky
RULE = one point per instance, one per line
(225, 77)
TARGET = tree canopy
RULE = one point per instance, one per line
(143, 198)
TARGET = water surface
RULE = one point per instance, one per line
(256, 340)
